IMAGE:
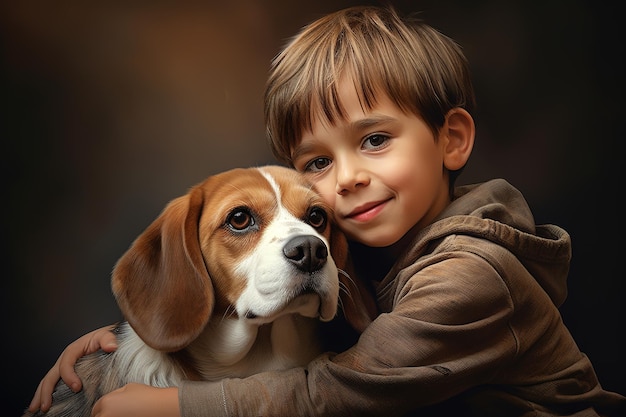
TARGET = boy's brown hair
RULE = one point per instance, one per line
(423, 71)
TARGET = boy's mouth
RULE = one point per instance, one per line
(366, 212)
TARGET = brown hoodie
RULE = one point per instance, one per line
(469, 326)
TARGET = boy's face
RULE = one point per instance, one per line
(381, 169)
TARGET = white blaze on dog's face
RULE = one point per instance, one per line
(266, 247)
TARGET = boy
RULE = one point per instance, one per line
(376, 111)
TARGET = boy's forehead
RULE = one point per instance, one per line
(328, 107)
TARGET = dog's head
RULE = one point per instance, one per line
(256, 243)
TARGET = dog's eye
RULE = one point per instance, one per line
(317, 218)
(240, 219)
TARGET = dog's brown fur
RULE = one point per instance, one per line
(181, 283)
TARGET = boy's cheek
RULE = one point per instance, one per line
(326, 189)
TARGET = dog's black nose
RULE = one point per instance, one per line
(307, 253)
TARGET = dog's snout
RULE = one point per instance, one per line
(307, 253)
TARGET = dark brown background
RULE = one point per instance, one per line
(109, 112)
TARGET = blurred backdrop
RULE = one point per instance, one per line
(108, 112)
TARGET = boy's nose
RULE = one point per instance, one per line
(350, 176)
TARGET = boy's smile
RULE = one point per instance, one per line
(367, 211)
(381, 169)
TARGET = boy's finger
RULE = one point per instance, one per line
(66, 373)
(64, 367)
(109, 342)
(35, 403)
(43, 395)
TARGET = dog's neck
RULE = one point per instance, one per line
(235, 347)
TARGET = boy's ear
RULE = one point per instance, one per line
(457, 136)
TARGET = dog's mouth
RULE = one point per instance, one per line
(307, 303)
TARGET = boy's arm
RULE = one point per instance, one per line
(448, 331)
(102, 338)
(138, 400)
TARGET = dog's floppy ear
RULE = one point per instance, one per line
(357, 299)
(161, 283)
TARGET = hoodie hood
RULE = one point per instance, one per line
(497, 211)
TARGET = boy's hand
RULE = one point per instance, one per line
(102, 338)
(138, 400)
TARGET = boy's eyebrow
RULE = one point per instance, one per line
(370, 121)
(358, 125)
(299, 150)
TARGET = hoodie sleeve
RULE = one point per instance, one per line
(448, 331)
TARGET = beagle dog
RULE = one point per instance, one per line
(231, 279)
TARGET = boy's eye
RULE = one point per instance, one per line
(318, 164)
(375, 141)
